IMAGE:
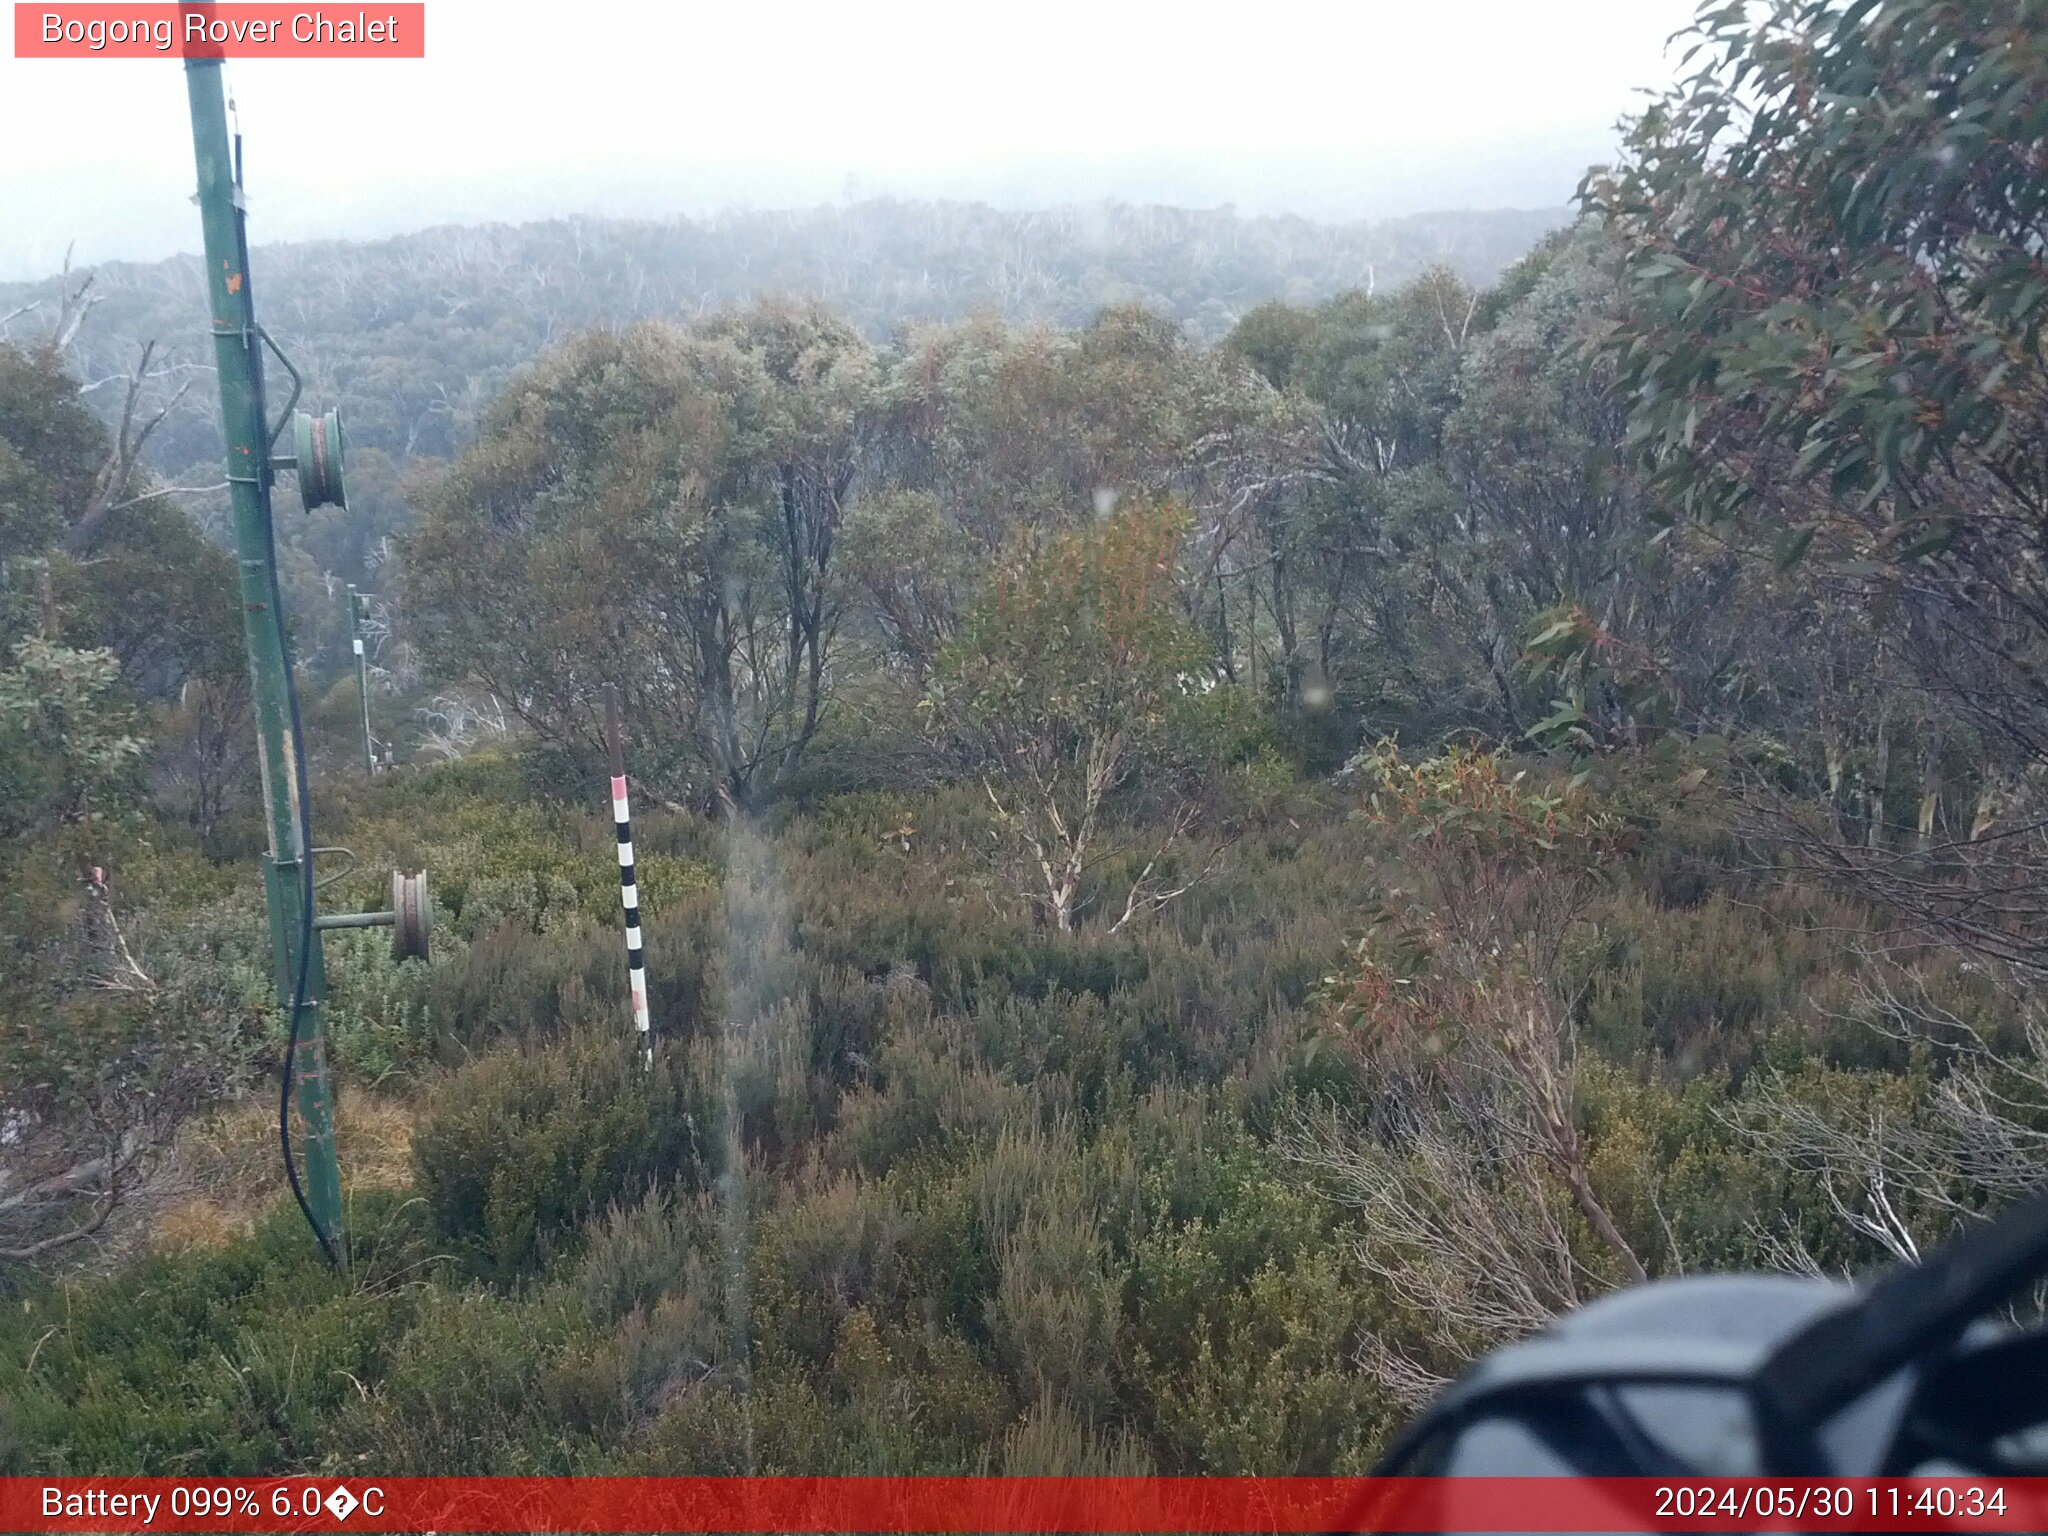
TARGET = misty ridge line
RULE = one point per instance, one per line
(1013, 262)
(1092, 221)
(139, 214)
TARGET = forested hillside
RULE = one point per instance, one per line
(1198, 875)
(412, 337)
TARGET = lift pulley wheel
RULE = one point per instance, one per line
(412, 915)
(317, 440)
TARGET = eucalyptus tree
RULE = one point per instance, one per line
(993, 430)
(1062, 687)
(658, 509)
(1834, 235)
(1376, 373)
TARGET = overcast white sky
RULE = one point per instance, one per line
(1345, 108)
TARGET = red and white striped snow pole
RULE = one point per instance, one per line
(629, 888)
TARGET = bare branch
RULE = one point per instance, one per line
(122, 456)
(74, 304)
(169, 490)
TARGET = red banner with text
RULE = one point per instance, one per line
(1021, 1504)
(219, 30)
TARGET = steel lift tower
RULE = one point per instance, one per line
(252, 464)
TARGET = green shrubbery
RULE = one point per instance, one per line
(225, 1361)
(520, 1147)
(1001, 1197)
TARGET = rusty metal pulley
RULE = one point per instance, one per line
(412, 913)
(316, 441)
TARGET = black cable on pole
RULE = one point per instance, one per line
(303, 960)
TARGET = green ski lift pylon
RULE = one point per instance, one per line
(250, 439)
(295, 964)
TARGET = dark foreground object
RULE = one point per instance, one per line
(1754, 1375)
